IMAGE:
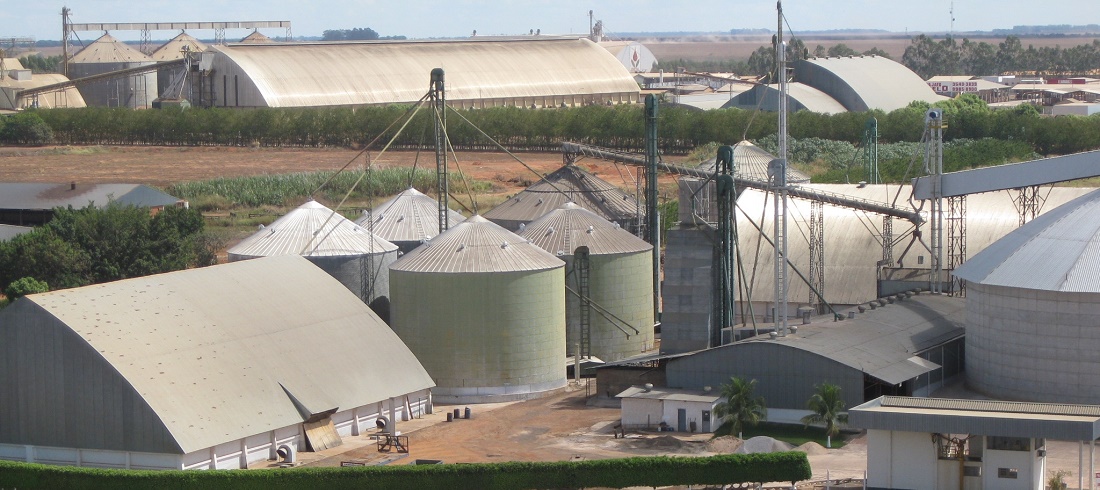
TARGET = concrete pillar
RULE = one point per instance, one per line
(392, 428)
(1092, 464)
(273, 449)
(1080, 464)
(213, 459)
(355, 421)
(243, 461)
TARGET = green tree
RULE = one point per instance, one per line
(841, 50)
(24, 286)
(740, 407)
(26, 128)
(828, 409)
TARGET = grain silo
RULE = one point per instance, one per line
(175, 49)
(569, 183)
(1033, 309)
(609, 273)
(334, 243)
(484, 311)
(750, 162)
(407, 220)
(108, 54)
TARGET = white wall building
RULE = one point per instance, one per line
(681, 410)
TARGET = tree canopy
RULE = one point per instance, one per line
(739, 407)
(828, 409)
(355, 34)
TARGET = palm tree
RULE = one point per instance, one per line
(828, 408)
(740, 407)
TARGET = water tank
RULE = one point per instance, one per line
(334, 243)
(569, 183)
(620, 280)
(108, 54)
(407, 220)
(484, 312)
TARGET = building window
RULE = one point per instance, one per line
(972, 471)
(1008, 443)
(1007, 473)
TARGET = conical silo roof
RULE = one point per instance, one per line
(107, 49)
(562, 230)
(173, 49)
(1057, 251)
(256, 37)
(569, 183)
(751, 162)
(311, 230)
(410, 216)
(477, 245)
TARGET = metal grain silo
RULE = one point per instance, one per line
(108, 54)
(1033, 309)
(484, 310)
(609, 282)
(175, 49)
(569, 183)
(407, 220)
(334, 243)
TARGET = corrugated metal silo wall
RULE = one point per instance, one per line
(623, 285)
(165, 76)
(785, 376)
(484, 334)
(133, 91)
(53, 384)
(368, 276)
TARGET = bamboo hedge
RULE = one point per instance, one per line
(622, 126)
(611, 473)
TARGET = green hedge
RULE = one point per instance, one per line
(613, 473)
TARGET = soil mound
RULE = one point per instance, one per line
(724, 444)
(812, 448)
(763, 444)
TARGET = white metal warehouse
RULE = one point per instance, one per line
(205, 368)
(523, 72)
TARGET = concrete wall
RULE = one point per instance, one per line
(643, 413)
(687, 290)
(1029, 469)
(92, 458)
(1024, 344)
(901, 460)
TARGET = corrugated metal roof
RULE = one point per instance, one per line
(883, 341)
(173, 49)
(808, 97)
(751, 162)
(210, 349)
(1057, 251)
(388, 72)
(311, 230)
(409, 216)
(7, 232)
(979, 417)
(562, 230)
(569, 183)
(256, 37)
(477, 245)
(68, 97)
(107, 49)
(41, 196)
(853, 239)
(877, 82)
(663, 393)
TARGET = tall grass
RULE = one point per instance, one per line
(286, 189)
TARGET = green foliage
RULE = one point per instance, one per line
(827, 406)
(91, 245)
(25, 128)
(1057, 480)
(354, 34)
(928, 57)
(739, 407)
(610, 473)
(24, 286)
(41, 64)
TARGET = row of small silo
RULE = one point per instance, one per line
(137, 91)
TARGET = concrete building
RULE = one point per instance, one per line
(484, 310)
(541, 71)
(209, 368)
(647, 407)
(975, 444)
(31, 204)
(569, 183)
(108, 54)
(1033, 300)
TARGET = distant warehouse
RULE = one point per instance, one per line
(490, 72)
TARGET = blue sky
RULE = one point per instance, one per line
(457, 18)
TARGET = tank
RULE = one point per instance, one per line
(108, 54)
(620, 281)
(484, 311)
(407, 220)
(569, 183)
(347, 251)
(174, 49)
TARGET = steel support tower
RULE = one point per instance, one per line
(933, 166)
(438, 95)
(817, 256)
(956, 241)
(778, 169)
(652, 218)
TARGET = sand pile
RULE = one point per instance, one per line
(763, 444)
(724, 444)
(812, 448)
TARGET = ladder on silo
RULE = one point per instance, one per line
(582, 265)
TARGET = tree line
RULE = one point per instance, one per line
(620, 127)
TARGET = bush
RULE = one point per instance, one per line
(24, 286)
(26, 128)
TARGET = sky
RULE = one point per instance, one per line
(460, 18)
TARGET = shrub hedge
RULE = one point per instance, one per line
(613, 473)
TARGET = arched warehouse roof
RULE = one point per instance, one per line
(479, 73)
(861, 83)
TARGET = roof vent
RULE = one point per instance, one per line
(380, 216)
(504, 245)
(461, 247)
(881, 302)
(852, 314)
(647, 387)
(890, 299)
(862, 308)
(873, 305)
(561, 253)
(400, 218)
(707, 389)
(549, 230)
(261, 226)
(591, 229)
(522, 226)
(773, 335)
(539, 202)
